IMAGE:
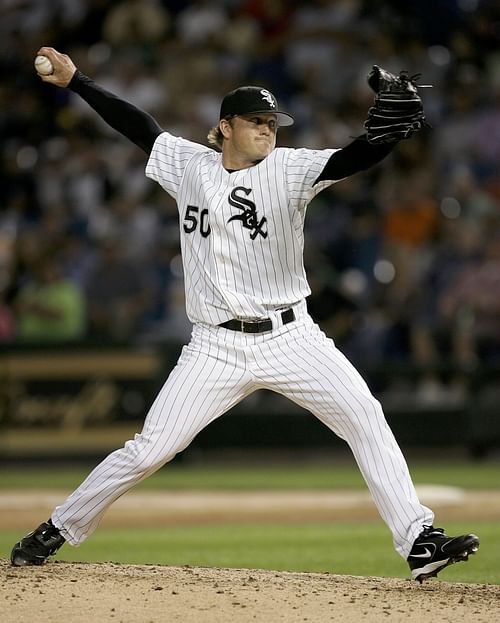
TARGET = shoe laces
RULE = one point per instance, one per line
(430, 530)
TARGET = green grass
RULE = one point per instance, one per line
(356, 548)
(244, 478)
(353, 549)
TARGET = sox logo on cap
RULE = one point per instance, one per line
(268, 97)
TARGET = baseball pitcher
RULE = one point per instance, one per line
(242, 205)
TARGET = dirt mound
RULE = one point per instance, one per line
(62, 592)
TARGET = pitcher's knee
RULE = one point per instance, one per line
(147, 456)
(366, 415)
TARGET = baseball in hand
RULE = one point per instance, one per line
(43, 65)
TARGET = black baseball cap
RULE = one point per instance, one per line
(251, 99)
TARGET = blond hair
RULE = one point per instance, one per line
(214, 137)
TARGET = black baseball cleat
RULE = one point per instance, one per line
(37, 546)
(432, 551)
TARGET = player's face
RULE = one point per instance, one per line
(250, 138)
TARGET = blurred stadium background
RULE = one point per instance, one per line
(403, 260)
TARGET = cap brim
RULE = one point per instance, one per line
(284, 118)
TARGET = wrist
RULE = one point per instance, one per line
(77, 78)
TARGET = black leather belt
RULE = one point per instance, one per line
(257, 326)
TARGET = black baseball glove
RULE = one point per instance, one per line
(397, 112)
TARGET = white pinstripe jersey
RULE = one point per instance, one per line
(242, 235)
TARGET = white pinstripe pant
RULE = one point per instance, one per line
(216, 370)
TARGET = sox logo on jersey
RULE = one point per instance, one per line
(249, 216)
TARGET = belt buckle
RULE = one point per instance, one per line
(242, 326)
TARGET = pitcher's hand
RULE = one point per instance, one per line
(64, 68)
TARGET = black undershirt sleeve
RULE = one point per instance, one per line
(357, 156)
(138, 126)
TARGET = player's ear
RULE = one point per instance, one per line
(225, 127)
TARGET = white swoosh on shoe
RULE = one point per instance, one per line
(427, 554)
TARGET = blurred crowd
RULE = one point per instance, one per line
(403, 260)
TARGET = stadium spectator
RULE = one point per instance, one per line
(119, 293)
(49, 307)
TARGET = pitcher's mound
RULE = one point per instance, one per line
(60, 592)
